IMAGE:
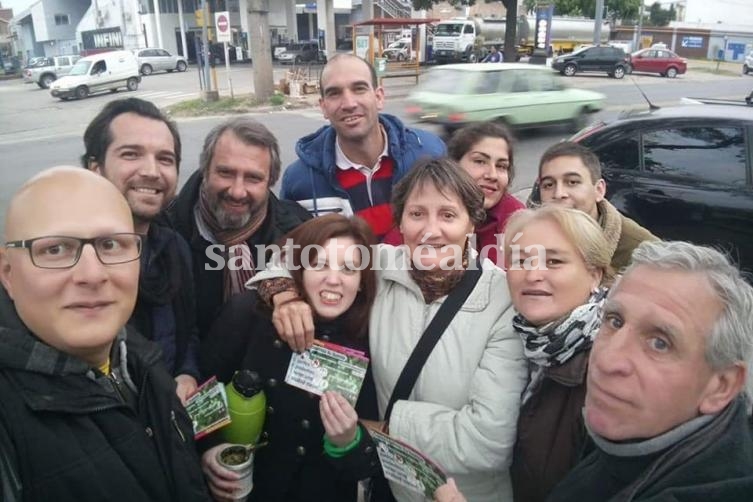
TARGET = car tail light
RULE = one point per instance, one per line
(456, 117)
(413, 109)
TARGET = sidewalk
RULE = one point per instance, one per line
(724, 67)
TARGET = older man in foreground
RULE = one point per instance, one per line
(666, 405)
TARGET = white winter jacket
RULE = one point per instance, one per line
(463, 410)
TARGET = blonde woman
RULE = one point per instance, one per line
(557, 263)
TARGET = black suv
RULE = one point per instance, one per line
(611, 60)
(685, 173)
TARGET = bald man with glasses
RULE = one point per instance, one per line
(88, 410)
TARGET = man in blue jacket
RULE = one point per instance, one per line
(351, 165)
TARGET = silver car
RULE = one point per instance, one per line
(748, 64)
(151, 60)
(47, 70)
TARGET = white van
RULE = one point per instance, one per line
(97, 73)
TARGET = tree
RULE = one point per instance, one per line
(427, 4)
(616, 9)
(660, 17)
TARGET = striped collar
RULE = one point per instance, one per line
(344, 163)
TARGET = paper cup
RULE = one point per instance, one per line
(237, 459)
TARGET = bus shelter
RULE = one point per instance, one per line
(395, 47)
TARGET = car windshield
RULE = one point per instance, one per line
(448, 29)
(447, 81)
(578, 51)
(80, 68)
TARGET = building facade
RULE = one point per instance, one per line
(58, 27)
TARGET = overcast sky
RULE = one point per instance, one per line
(17, 5)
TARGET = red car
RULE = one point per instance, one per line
(661, 61)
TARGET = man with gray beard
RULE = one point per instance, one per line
(227, 209)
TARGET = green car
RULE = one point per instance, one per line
(518, 95)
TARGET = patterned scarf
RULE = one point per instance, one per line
(237, 251)
(556, 342)
(436, 283)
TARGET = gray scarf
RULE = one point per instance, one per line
(555, 343)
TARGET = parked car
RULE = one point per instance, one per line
(399, 50)
(748, 64)
(277, 50)
(108, 71)
(611, 60)
(217, 53)
(305, 52)
(519, 95)
(53, 68)
(345, 45)
(662, 61)
(10, 64)
(154, 59)
(683, 172)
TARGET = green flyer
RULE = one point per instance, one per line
(407, 466)
(328, 366)
(207, 408)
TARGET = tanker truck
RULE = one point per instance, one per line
(469, 39)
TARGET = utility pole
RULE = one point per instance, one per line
(158, 22)
(598, 21)
(511, 30)
(261, 51)
(182, 25)
(208, 94)
(640, 28)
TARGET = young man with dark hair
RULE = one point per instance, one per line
(570, 175)
(137, 148)
(351, 165)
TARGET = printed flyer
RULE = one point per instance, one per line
(328, 366)
(207, 408)
(407, 466)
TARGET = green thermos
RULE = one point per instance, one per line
(247, 406)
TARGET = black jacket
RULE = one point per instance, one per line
(293, 467)
(166, 296)
(551, 433)
(282, 217)
(713, 463)
(69, 433)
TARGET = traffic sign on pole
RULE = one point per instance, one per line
(222, 23)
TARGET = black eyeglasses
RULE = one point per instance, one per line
(59, 251)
